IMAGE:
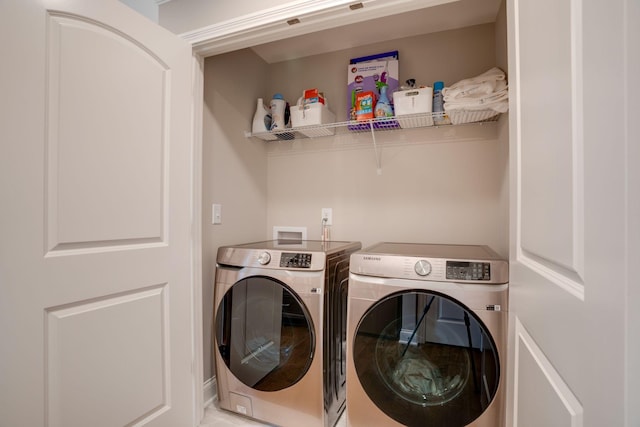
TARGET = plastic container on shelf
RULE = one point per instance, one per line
(305, 114)
(413, 107)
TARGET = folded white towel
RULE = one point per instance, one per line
(486, 101)
(490, 81)
(478, 92)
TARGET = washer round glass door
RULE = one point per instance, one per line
(264, 334)
(425, 359)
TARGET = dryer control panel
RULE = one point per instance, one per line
(464, 270)
(295, 260)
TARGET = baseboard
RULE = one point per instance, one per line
(209, 392)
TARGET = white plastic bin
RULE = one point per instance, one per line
(416, 104)
(311, 115)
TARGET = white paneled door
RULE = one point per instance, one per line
(571, 339)
(95, 251)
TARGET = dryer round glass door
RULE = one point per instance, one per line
(264, 334)
(425, 359)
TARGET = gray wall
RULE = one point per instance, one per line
(234, 168)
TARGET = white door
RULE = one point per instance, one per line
(571, 213)
(95, 263)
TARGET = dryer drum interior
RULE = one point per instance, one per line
(425, 359)
(264, 334)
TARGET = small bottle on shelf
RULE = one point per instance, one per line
(383, 106)
(439, 116)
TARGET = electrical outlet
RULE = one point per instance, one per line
(327, 214)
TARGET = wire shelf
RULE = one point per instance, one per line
(380, 124)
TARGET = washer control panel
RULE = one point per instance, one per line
(431, 262)
(467, 270)
(295, 260)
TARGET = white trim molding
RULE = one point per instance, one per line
(314, 15)
(196, 238)
(209, 391)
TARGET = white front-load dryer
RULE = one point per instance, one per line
(427, 336)
(280, 329)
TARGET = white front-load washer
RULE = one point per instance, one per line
(427, 336)
(280, 312)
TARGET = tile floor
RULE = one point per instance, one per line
(216, 417)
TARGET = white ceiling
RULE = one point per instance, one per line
(448, 16)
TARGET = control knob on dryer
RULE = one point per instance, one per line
(264, 258)
(422, 267)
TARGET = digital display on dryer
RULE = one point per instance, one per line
(464, 270)
(295, 260)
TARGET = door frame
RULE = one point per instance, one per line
(196, 227)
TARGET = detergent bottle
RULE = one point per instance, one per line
(279, 112)
(261, 119)
(383, 106)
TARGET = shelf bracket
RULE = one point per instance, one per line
(377, 152)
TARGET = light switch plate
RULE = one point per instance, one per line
(216, 214)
